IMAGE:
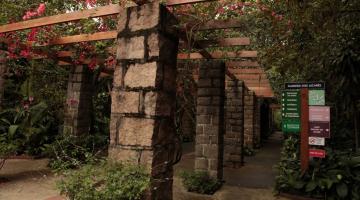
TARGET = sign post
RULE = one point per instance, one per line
(304, 111)
(304, 135)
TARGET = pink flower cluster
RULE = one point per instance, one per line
(39, 11)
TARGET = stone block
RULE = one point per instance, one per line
(141, 75)
(125, 102)
(158, 104)
(136, 131)
(131, 48)
(118, 76)
(144, 17)
(201, 164)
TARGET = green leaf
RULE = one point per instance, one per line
(12, 130)
(342, 190)
(311, 186)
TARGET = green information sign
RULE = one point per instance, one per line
(291, 125)
(290, 102)
(316, 97)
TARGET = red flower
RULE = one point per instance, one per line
(41, 9)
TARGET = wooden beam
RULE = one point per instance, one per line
(111, 9)
(84, 38)
(225, 42)
(68, 17)
(237, 64)
(182, 2)
(247, 71)
(219, 55)
(251, 77)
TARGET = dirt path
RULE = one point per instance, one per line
(27, 180)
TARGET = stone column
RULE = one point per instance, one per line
(142, 129)
(249, 103)
(234, 117)
(2, 82)
(257, 122)
(78, 101)
(210, 119)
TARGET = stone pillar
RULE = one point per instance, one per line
(79, 101)
(257, 122)
(142, 127)
(249, 103)
(210, 119)
(234, 117)
(2, 82)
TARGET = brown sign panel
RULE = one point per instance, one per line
(319, 129)
(319, 113)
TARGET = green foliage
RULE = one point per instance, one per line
(248, 151)
(200, 182)
(69, 151)
(24, 130)
(106, 181)
(335, 177)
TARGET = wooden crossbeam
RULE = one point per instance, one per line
(84, 38)
(225, 42)
(102, 11)
(247, 71)
(237, 64)
(219, 55)
(251, 76)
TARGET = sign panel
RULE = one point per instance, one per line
(291, 125)
(290, 102)
(319, 129)
(317, 153)
(316, 97)
(317, 141)
(310, 85)
(319, 113)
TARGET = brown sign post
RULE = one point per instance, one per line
(304, 134)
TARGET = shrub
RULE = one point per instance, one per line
(69, 151)
(335, 177)
(106, 181)
(200, 182)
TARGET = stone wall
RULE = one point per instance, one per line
(249, 110)
(142, 127)
(234, 118)
(78, 101)
(210, 118)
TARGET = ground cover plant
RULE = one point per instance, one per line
(200, 182)
(106, 181)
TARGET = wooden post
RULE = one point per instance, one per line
(304, 134)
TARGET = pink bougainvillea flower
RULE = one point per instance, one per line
(25, 53)
(41, 9)
(31, 99)
(72, 102)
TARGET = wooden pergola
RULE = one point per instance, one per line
(239, 64)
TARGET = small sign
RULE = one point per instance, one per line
(310, 85)
(316, 97)
(291, 125)
(317, 153)
(319, 129)
(319, 113)
(317, 141)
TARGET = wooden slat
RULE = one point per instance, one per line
(247, 71)
(226, 42)
(112, 9)
(219, 55)
(182, 2)
(250, 77)
(68, 17)
(85, 38)
(251, 81)
(247, 63)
